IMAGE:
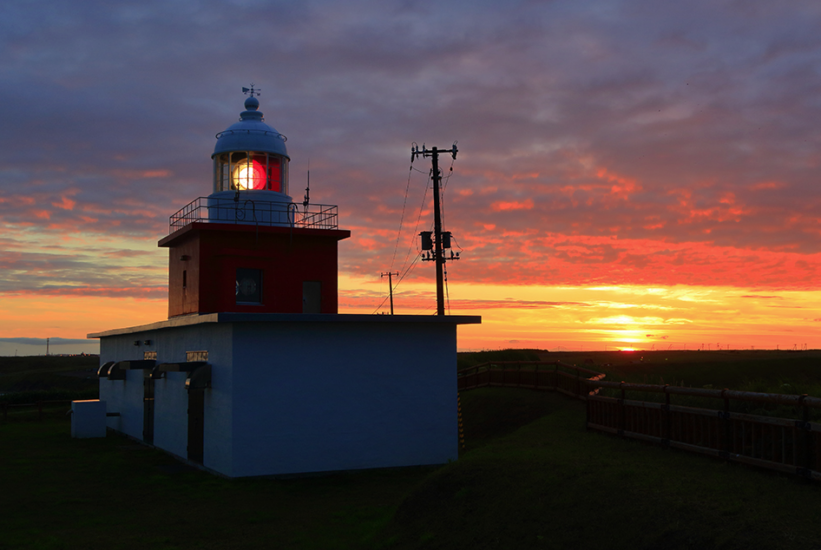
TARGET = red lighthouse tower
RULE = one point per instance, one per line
(247, 247)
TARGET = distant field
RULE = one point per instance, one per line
(771, 371)
(27, 379)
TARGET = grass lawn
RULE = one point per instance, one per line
(531, 477)
(551, 484)
(115, 493)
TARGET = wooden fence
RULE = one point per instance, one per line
(724, 428)
(790, 445)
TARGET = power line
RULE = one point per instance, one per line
(416, 227)
(402, 219)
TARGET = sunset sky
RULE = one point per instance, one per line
(631, 173)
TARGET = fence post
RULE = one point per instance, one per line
(555, 376)
(726, 444)
(622, 419)
(805, 420)
(5, 410)
(578, 383)
(40, 409)
(667, 417)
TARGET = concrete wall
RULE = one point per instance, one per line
(124, 397)
(171, 417)
(341, 396)
(171, 414)
(300, 396)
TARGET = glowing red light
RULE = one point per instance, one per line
(248, 174)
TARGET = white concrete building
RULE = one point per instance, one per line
(255, 372)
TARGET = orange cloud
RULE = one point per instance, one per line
(65, 204)
(768, 185)
(622, 187)
(156, 173)
(512, 205)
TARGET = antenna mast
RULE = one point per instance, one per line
(307, 198)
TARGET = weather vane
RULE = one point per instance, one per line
(250, 90)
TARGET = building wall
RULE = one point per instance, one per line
(342, 396)
(170, 417)
(171, 414)
(184, 263)
(123, 396)
(287, 257)
(300, 396)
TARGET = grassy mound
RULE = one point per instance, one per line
(551, 484)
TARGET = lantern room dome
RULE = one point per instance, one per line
(251, 134)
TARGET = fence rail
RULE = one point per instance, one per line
(791, 445)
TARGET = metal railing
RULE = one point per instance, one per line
(729, 426)
(255, 212)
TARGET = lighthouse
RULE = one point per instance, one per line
(247, 247)
(255, 372)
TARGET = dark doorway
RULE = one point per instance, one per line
(196, 414)
(311, 297)
(148, 407)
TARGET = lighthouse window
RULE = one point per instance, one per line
(249, 286)
(274, 174)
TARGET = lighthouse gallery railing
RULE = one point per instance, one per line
(247, 211)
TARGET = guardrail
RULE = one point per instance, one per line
(255, 212)
(727, 431)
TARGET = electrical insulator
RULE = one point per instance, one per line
(427, 241)
(446, 239)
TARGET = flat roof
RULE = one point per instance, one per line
(199, 319)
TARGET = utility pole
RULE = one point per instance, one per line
(438, 256)
(390, 285)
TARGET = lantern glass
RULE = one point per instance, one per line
(248, 174)
(250, 170)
